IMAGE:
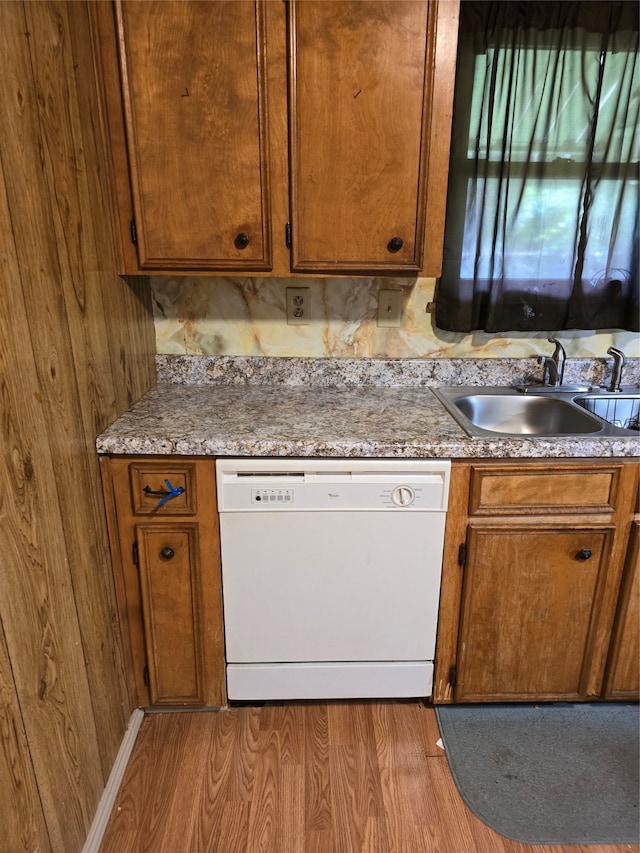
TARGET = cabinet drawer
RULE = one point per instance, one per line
(150, 483)
(548, 489)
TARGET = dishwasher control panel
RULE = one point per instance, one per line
(325, 485)
(272, 497)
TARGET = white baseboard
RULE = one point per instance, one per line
(105, 806)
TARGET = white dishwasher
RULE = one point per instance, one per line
(331, 576)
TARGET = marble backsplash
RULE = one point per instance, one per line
(221, 316)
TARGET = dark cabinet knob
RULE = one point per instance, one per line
(395, 244)
(583, 554)
(241, 241)
(167, 553)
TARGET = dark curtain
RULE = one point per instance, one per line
(542, 216)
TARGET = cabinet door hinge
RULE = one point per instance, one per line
(134, 554)
(145, 676)
(453, 676)
(287, 235)
(134, 233)
(462, 554)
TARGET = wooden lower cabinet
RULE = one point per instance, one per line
(166, 556)
(169, 566)
(533, 564)
(623, 671)
(528, 611)
(540, 586)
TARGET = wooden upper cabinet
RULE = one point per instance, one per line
(194, 92)
(278, 138)
(359, 101)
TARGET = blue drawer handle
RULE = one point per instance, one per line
(172, 492)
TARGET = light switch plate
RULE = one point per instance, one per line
(389, 308)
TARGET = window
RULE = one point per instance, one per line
(542, 219)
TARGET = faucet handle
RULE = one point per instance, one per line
(549, 370)
(618, 363)
(617, 353)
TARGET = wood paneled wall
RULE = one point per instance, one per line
(76, 349)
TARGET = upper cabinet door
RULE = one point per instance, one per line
(230, 121)
(360, 82)
(194, 89)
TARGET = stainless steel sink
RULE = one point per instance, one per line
(486, 411)
(621, 410)
(525, 415)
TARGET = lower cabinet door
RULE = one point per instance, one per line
(623, 674)
(529, 609)
(169, 582)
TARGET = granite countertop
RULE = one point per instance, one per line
(348, 420)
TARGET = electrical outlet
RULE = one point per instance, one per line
(298, 306)
(389, 308)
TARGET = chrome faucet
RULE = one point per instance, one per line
(553, 372)
(618, 364)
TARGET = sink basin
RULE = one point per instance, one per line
(504, 410)
(621, 410)
(519, 415)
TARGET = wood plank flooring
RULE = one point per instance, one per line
(335, 777)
